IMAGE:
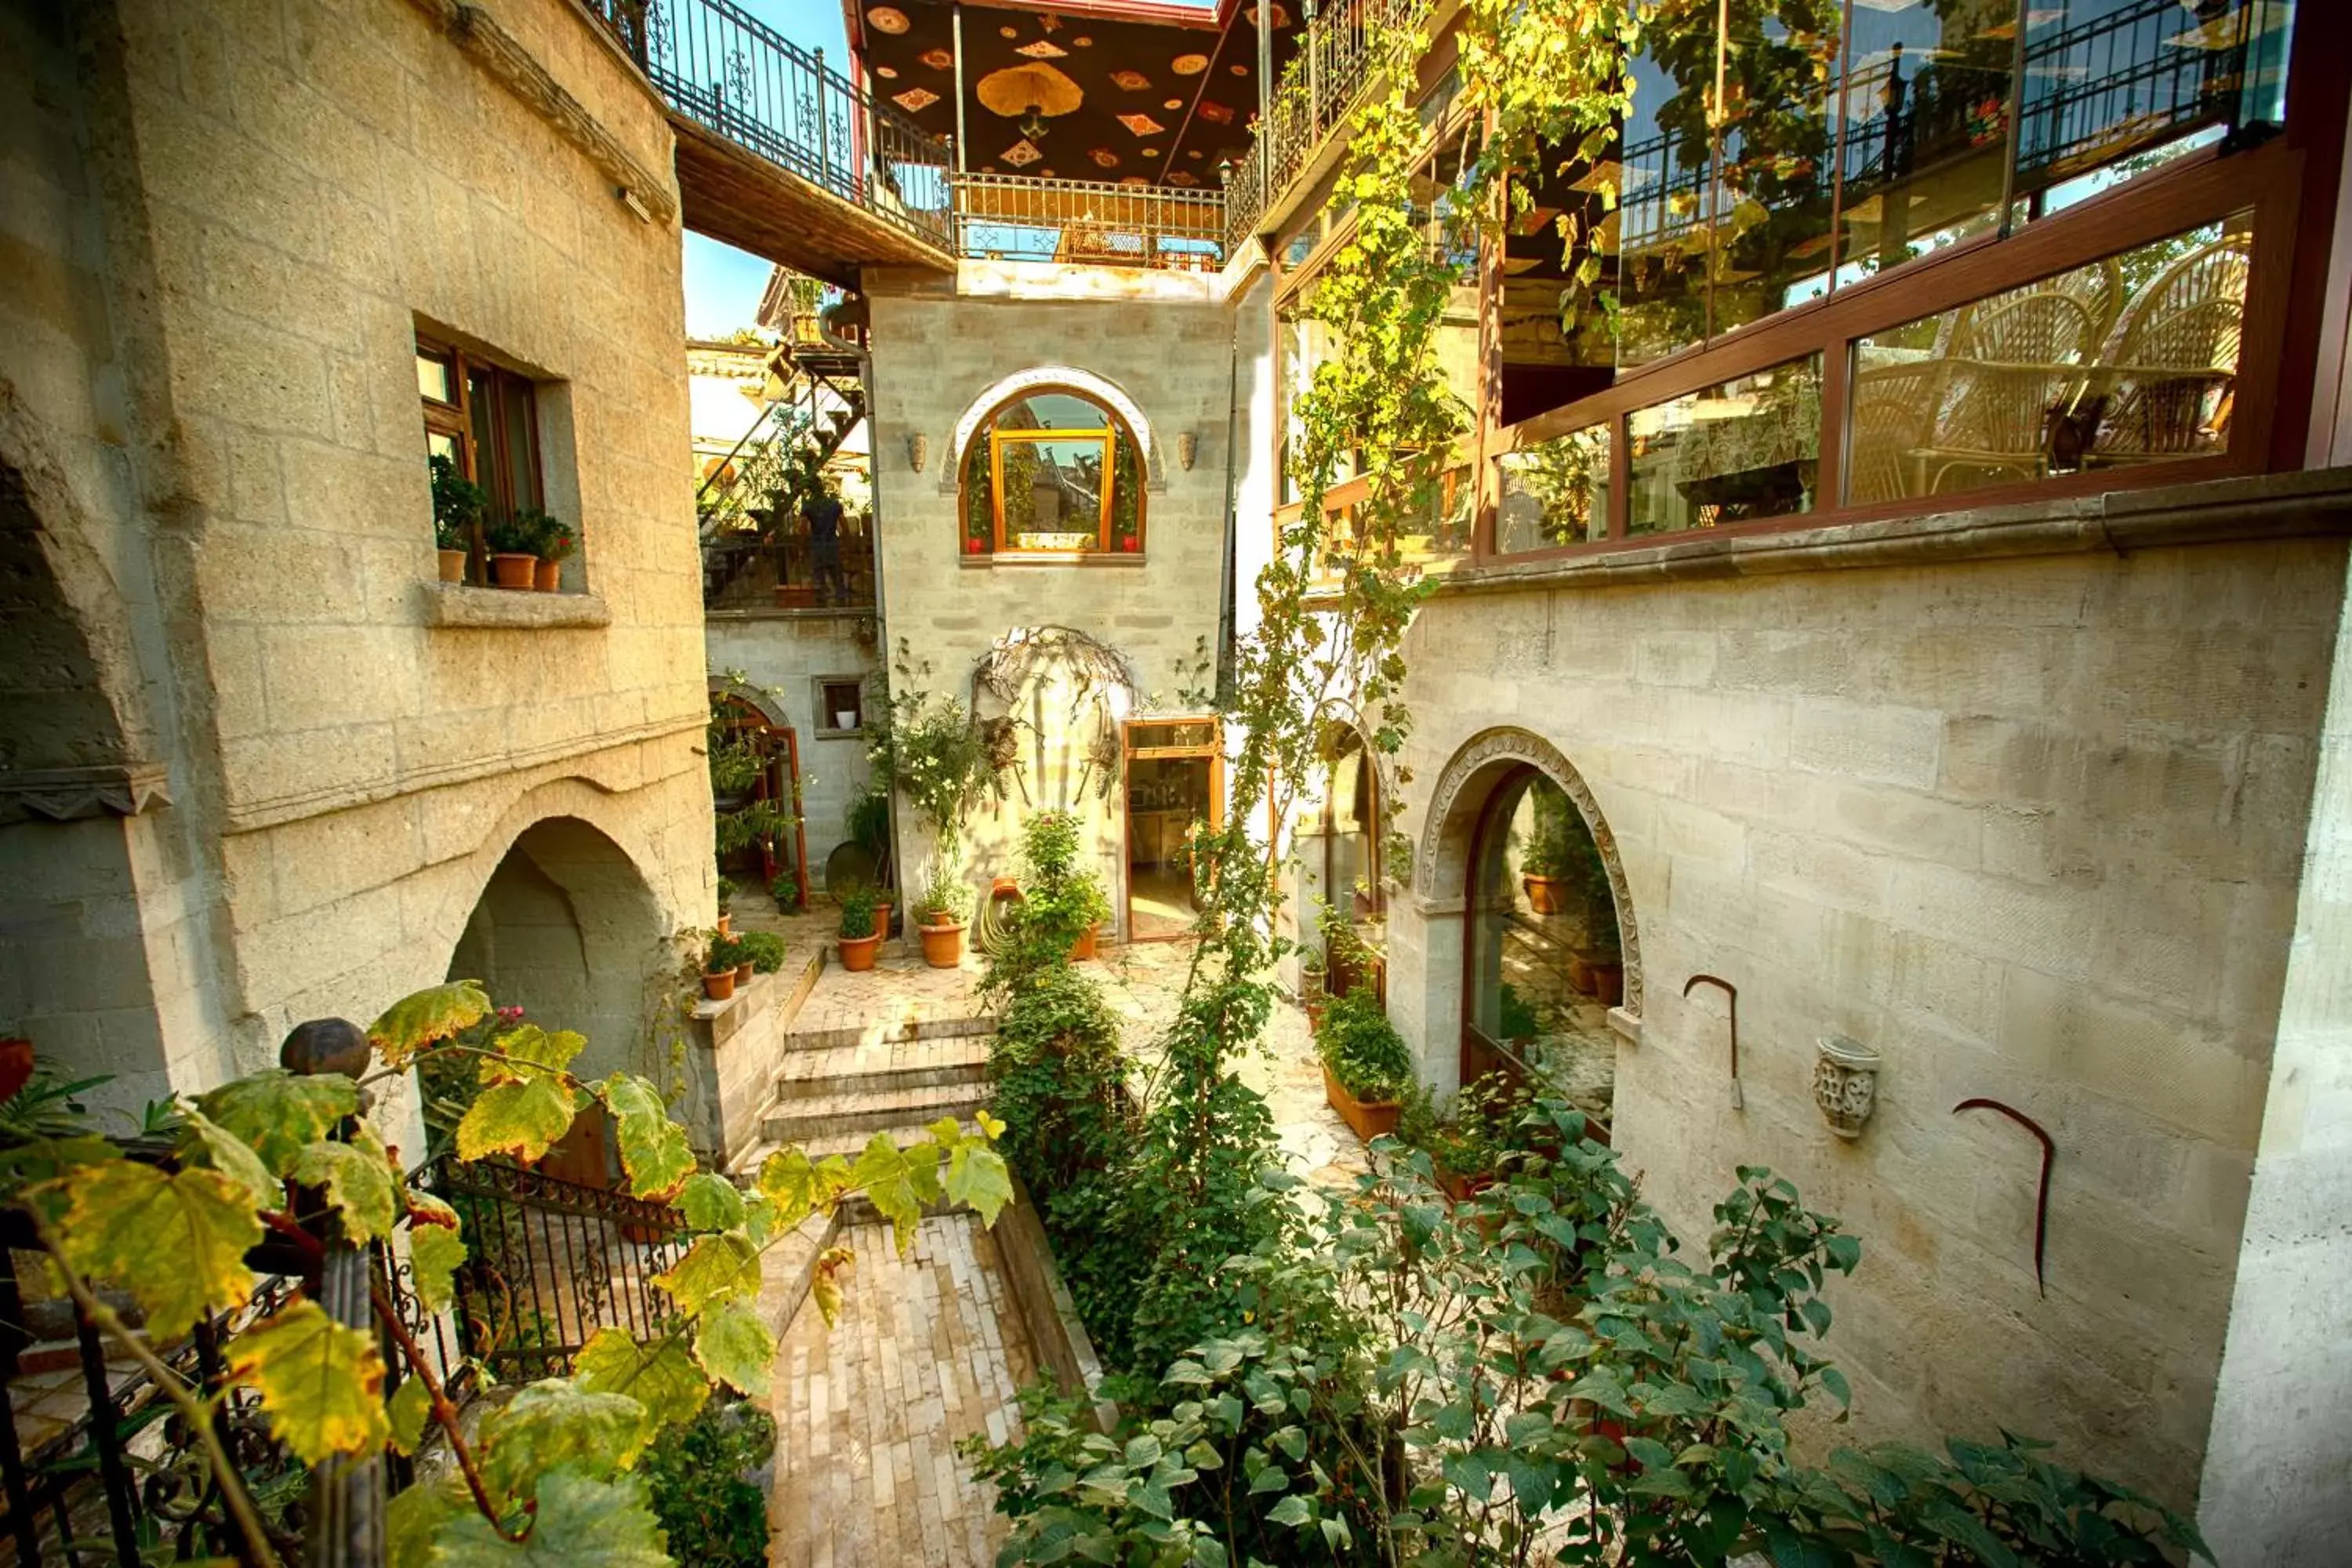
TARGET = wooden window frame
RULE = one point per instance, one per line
(1113, 431)
(818, 685)
(2204, 187)
(455, 421)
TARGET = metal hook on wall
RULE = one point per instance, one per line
(1739, 1100)
(2042, 1197)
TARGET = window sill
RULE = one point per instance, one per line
(1098, 558)
(462, 605)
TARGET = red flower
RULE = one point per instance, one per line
(1129, 543)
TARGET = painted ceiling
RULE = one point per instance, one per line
(1127, 90)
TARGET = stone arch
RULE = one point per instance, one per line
(1109, 393)
(1442, 860)
(566, 926)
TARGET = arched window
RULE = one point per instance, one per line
(1053, 472)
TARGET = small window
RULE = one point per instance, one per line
(1746, 449)
(481, 424)
(1554, 492)
(1052, 473)
(840, 705)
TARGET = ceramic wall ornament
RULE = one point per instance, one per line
(1188, 446)
(918, 448)
(1845, 1084)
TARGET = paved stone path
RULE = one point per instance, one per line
(930, 1348)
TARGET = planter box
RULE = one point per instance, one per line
(1368, 1119)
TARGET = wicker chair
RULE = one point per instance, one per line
(2014, 360)
(2169, 370)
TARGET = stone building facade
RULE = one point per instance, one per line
(265, 766)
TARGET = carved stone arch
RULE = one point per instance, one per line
(1109, 393)
(1470, 777)
(758, 698)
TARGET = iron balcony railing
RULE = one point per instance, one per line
(732, 74)
(1013, 217)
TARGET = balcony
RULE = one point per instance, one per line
(748, 573)
(1087, 223)
(777, 154)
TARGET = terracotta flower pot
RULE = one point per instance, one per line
(795, 596)
(513, 571)
(882, 919)
(719, 984)
(1315, 1016)
(1084, 948)
(547, 576)
(1370, 1118)
(1600, 975)
(726, 924)
(1543, 893)
(743, 973)
(453, 565)
(943, 944)
(857, 952)
(16, 1065)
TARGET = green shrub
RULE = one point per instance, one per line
(1362, 1049)
(857, 911)
(1518, 1020)
(725, 953)
(699, 1475)
(725, 892)
(787, 891)
(765, 949)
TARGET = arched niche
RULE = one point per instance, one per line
(1449, 832)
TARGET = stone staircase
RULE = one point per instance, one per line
(837, 1087)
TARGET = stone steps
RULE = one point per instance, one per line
(810, 1073)
(829, 1117)
(847, 1144)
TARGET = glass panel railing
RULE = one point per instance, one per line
(2129, 361)
(1739, 451)
(1553, 492)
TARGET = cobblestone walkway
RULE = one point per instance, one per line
(929, 1348)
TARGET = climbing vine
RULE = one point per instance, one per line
(547, 1473)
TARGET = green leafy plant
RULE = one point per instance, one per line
(736, 762)
(551, 1473)
(550, 539)
(787, 891)
(725, 892)
(765, 950)
(1362, 1049)
(725, 953)
(515, 535)
(458, 505)
(1488, 1121)
(858, 908)
(1516, 1017)
(945, 901)
(926, 746)
(697, 1479)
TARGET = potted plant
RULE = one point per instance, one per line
(1365, 1064)
(1312, 995)
(857, 935)
(551, 542)
(735, 763)
(942, 913)
(719, 964)
(458, 504)
(726, 896)
(514, 551)
(787, 891)
(1545, 855)
(1467, 1147)
(766, 950)
(1062, 894)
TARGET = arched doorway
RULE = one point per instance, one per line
(1549, 945)
(1343, 902)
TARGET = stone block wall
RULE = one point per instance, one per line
(2032, 828)
(786, 653)
(1165, 340)
(252, 210)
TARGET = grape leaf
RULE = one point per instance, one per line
(518, 1118)
(416, 1021)
(759, 1216)
(321, 1383)
(416, 1511)
(436, 1252)
(210, 1144)
(710, 1203)
(990, 1127)
(799, 1188)
(654, 1149)
(281, 1113)
(580, 1523)
(733, 1346)
(977, 1176)
(895, 1180)
(824, 1281)
(411, 1407)
(530, 1052)
(661, 1377)
(360, 1182)
(178, 1242)
(552, 1423)
(716, 1268)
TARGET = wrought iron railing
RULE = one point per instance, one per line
(2136, 77)
(786, 571)
(1331, 71)
(549, 1262)
(1012, 217)
(732, 74)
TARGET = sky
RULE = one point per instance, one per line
(722, 283)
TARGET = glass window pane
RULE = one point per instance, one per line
(2129, 361)
(440, 444)
(1771, 206)
(1052, 491)
(1927, 118)
(514, 409)
(434, 379)
(2107, 79)
(1165, 797)
(1661, 226)
(1125, 497)
(1054, 411)
(1554, 493)
(980, 499)
(1746, 449)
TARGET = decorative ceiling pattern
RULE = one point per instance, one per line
(1142, 93)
